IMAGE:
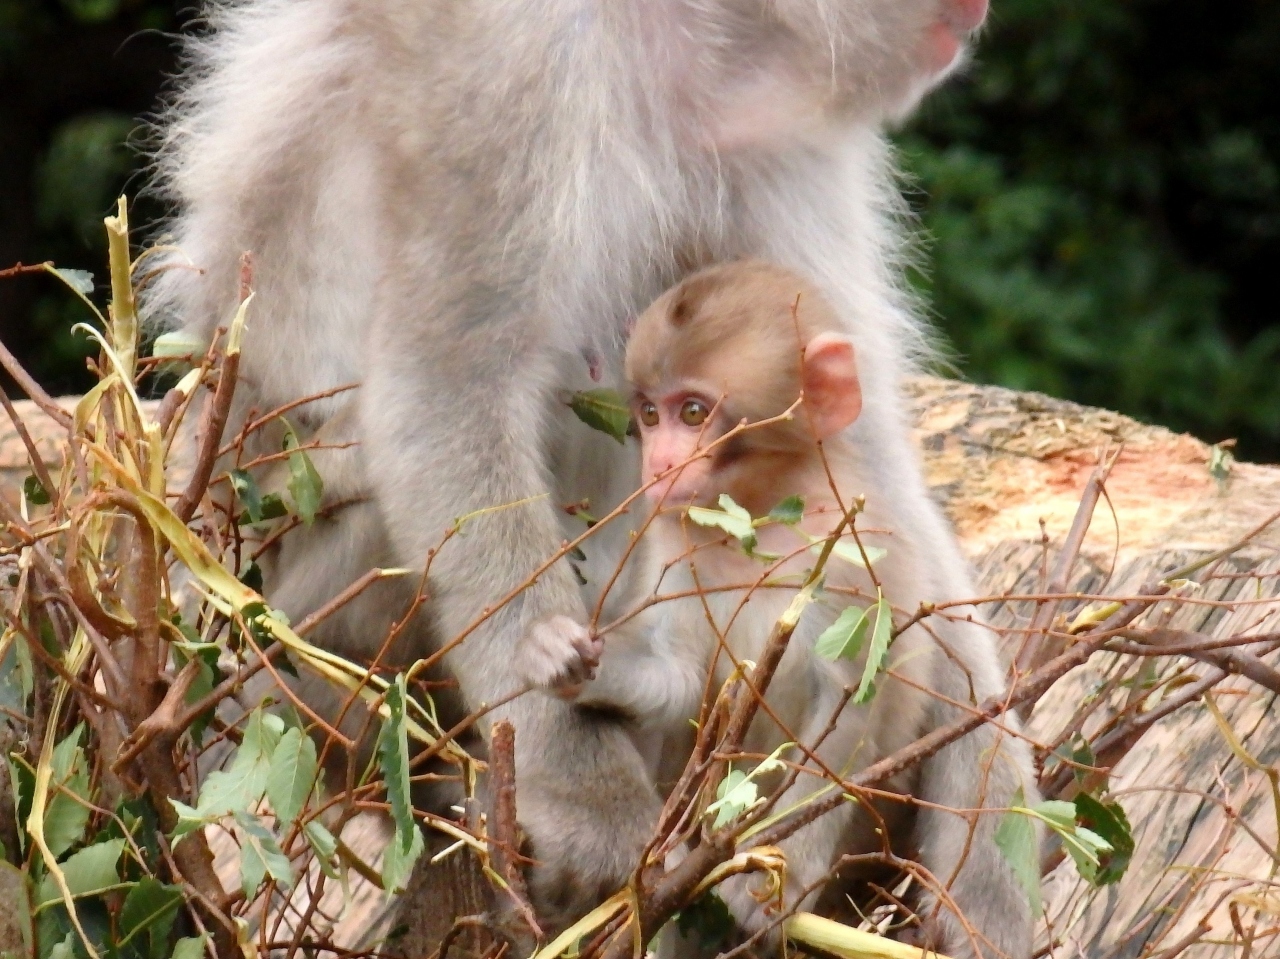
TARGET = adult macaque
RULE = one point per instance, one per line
(460, 204)
(740, 344)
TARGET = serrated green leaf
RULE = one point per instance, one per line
(881, 636)
(89, 871)
(790, 511)
(397, 861)
(843, 639)
(393, 756)
(260, 856)
(604, 410)
(292, 774)
(1083, 845)
(731, 518)
(306, 488)
(1057, 813)
(1016, 839)
(242, 784)
(150, 909)
(190, 948)
(34, 491)
(1108, 821)
(64, 818)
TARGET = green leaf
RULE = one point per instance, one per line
(79, 280)
(251, 576)
(206, 654)
(22, 782)
(292, 774)
(1108, 821)
(242, 784)
(178, 343)
(843, 639)
(881, 636)
(604, 410)
(738, 793)
(260, 856)
(34, 491)
(150, 908)
(64, 949)
(1220, 460)
(709, 919)
(305, 486)
(790, 511)
(734, 796)
(1084, 845)
(64, 818)
(398, 860)
(848, 551)
(1016, 839)
(190, 948)
(731, 518)
(393, 755)
(189, 820)
(324, 845)
(1081, 755)
(91, 870)
(246, 488)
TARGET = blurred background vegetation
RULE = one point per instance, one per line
(1102, 193)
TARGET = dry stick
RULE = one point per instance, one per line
(47, 404)
(504, 833)
(1033, 653)
(1235, 661)
(279, 411)
(213, 422)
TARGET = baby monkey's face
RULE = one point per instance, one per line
(742, 344)
(676, 428)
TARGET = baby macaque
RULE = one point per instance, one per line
(749, 343)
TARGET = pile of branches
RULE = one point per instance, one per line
(133, 623)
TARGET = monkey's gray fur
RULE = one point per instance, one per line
(460, 203)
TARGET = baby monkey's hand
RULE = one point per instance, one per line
(559, 655)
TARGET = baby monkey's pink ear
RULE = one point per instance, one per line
(832, 393)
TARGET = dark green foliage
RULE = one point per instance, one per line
(1103, 192)
(77, 75)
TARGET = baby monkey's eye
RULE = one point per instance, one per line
(648, 414)
(693, 413)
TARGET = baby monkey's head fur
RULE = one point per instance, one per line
(735, 343)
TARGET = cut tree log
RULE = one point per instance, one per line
(1199, 789)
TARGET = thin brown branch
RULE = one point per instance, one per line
(504, 833)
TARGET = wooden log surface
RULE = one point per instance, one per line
(1204, 812)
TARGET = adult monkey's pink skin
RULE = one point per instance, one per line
(944, 39)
